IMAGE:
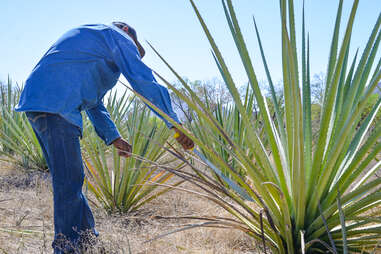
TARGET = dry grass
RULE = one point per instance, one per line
(26, 222)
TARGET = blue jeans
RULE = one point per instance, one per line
(59, 140)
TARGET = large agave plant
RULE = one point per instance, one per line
(125, 184)
(307, 196)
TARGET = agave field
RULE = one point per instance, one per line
(291, 187)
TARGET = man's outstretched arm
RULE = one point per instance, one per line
(126, 56)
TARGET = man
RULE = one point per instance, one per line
(74, 75)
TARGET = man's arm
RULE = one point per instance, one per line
(126, 56)
(104, 126)
(106, 129)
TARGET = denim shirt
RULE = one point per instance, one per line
(78, 70)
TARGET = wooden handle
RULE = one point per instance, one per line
(176, 135)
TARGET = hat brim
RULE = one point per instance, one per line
(140, 48)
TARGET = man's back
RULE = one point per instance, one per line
(78, 70)
(74, 74)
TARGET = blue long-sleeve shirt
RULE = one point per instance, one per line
(78, 70)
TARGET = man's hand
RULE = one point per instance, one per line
(124, 148)
(186, 142)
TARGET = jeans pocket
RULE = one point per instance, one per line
(38, 121)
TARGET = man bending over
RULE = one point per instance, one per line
(72, 76)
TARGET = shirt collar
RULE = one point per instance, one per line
(120, 31)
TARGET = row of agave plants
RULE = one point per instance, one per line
(301, 194)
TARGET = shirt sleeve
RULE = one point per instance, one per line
(104, 126)
(126, 56)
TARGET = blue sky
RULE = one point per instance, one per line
(28, 28)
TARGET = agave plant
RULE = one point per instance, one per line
(301, 191)
(229, 118)
(125, 184)
(19, 144)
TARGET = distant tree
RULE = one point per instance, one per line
(210, 92)
(180, 107)
(317, 88)
(378, 89)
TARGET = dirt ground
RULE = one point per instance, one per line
(26, 222)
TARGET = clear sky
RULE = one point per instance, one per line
(29, 27)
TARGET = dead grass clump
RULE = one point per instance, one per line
(22, 180)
